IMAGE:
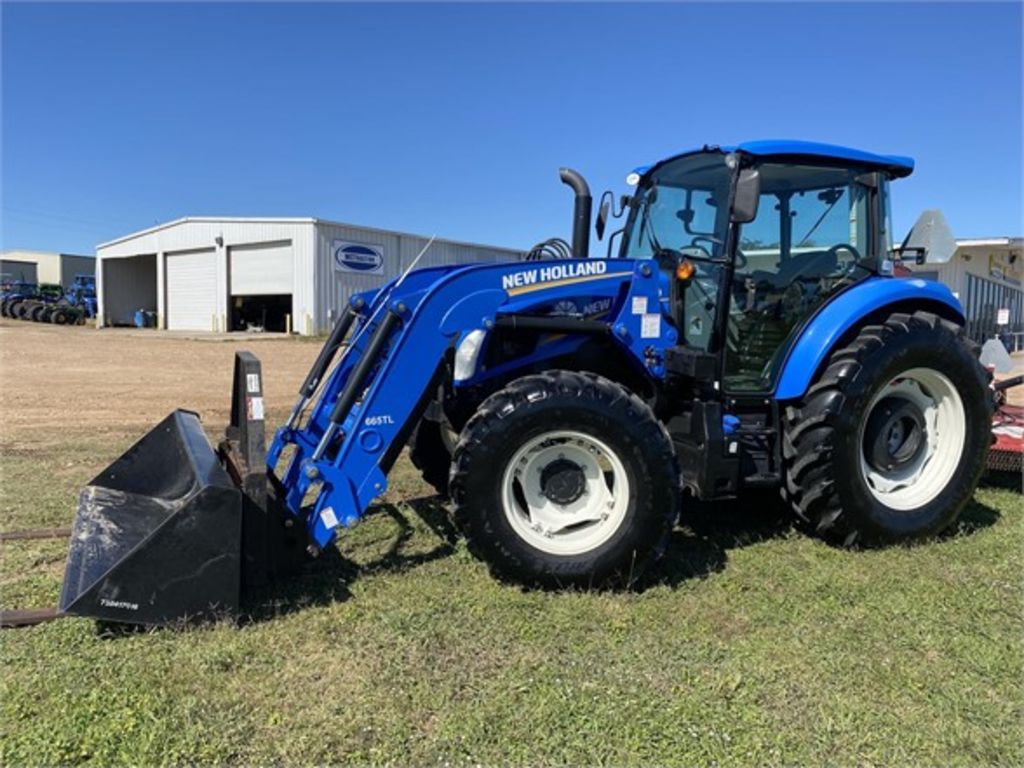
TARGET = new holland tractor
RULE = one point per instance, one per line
(746, 335)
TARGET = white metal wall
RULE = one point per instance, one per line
(334, 287)
(191, 281)
(318, 289)
(222, 235)
(262, 269)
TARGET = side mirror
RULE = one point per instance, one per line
(748, 194)
(607, 207)
(602, 215)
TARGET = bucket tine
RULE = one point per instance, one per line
(157, 536)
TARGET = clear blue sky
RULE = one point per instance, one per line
(454, 118)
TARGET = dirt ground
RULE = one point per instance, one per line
(124, 381)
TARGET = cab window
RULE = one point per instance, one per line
(809, 240)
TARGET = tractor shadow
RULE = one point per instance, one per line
(326, 579)
(975, 517)
(707, 532)
(699, 547)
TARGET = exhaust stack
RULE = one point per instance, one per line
(581, 212)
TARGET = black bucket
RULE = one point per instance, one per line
(157, 538)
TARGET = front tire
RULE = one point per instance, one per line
(888, 444)
(565, 479)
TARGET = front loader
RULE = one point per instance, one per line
(747, 335)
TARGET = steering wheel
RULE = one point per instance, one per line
(834, 251)
(741, 260)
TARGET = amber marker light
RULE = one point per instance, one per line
(685, 270)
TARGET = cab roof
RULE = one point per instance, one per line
(897, 166)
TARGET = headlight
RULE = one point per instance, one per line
(467, 353)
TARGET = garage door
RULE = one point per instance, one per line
(191, 290)
(263, 269)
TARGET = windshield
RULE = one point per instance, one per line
(683, 206)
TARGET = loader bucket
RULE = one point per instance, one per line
(157, 535)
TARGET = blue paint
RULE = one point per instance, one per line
(844, 312)
(441, 304)
(897, 166)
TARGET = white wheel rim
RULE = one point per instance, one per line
(580, 525)
(910, 487)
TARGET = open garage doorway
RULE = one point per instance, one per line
(127, 285)
(261, 313)
(261, 279)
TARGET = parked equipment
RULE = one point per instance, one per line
(14, 295)
(81, 296)
(748, 335)
(49, 303)
(1007, 453)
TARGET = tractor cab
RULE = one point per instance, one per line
(753, 239)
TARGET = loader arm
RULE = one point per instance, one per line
(388, 371)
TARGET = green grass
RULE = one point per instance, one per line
(752, 644)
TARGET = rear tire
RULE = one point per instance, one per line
(889, 442)
(565, 479)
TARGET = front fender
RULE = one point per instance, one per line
(847, 310)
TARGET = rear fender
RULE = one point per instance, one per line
(849, 310)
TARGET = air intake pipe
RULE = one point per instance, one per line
(581, 212)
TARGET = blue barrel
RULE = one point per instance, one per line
(140, 318)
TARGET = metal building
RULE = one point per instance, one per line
(228, 274)
(44, 266)
(986, 274)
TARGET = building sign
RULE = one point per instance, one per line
(1003, 316)
(1006, 265)
(358, 257)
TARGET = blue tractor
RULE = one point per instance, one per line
(746, 334)
(79, 301)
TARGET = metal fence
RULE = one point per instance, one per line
(984, 300)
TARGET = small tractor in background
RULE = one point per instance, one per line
(78, 303)
(748, 334)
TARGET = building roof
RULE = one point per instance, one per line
(1013, 242)
(289, 220)
(11, 252)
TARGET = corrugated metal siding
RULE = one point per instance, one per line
(334, 288)
(20, 270)
(317, 287)
(193, 234)
(75, 265)
(52, 267)
(127, 285)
